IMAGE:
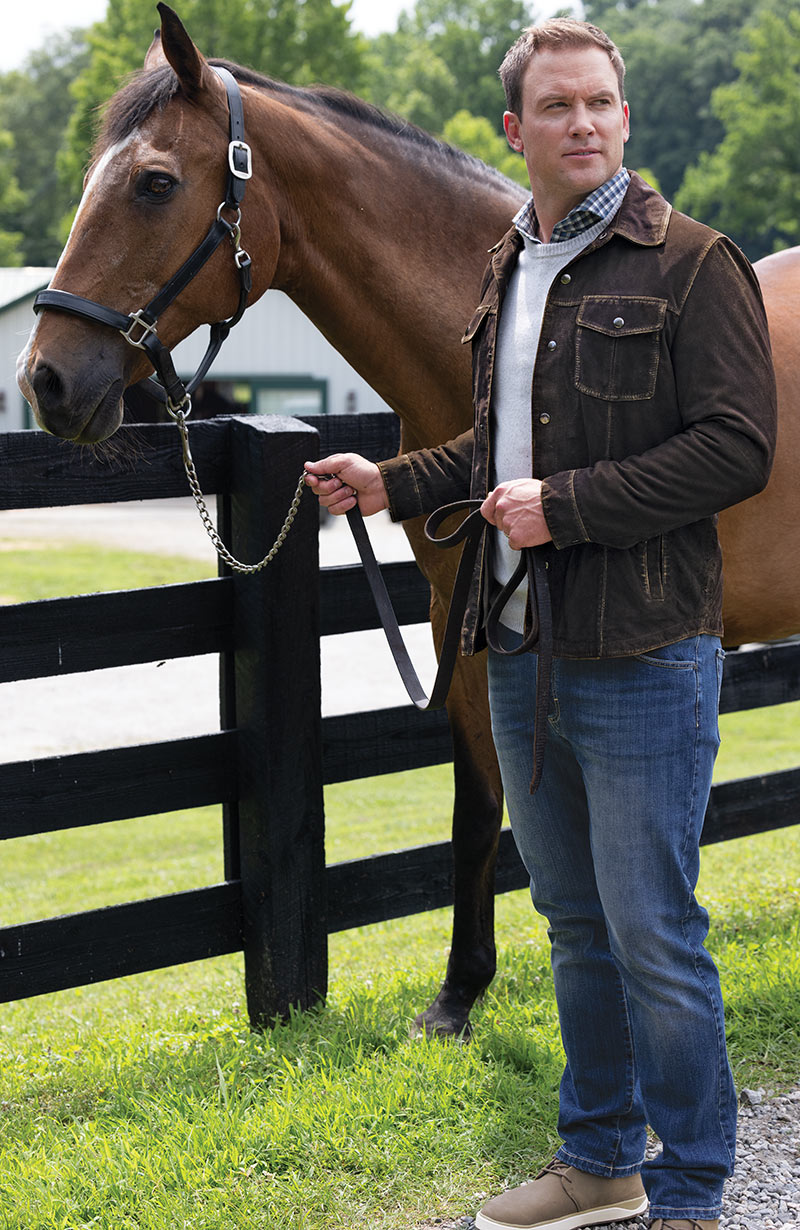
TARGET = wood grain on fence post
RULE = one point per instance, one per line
(271, 690)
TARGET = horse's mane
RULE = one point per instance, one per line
(151, 90)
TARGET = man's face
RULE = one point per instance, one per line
(573, 126)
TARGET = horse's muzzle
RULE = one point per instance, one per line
(84, 409)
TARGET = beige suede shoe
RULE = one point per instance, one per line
(563, 1198)
(683, 1223)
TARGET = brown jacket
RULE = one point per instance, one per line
(653, 408)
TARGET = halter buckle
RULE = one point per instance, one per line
(235, 149)
(139, 320)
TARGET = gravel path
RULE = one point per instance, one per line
(764, 1193)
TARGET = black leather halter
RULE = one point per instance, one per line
(140, 328)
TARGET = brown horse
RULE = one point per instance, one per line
(761, 537)
(379, 233)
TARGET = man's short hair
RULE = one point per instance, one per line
(557, 34)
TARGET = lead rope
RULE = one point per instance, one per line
(470, 531)
(179, 416)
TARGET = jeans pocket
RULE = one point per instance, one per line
(680, 656)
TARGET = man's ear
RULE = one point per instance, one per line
(513, 131)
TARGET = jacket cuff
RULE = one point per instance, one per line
(403, 493)
(561, 510)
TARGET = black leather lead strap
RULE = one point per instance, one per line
(540, 635)
(470, 532)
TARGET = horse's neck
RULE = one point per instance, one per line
(383, 244)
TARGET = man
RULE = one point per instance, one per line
(622, 377)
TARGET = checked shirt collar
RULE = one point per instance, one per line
(599, 206)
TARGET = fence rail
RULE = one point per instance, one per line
(267, 764)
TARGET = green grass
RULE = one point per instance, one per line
(148, 1103)
(55, 569)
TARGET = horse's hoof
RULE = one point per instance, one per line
(433, 1024)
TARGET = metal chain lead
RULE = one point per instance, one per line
(179, 416)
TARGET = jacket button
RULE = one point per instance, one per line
(551, 345)
(544, 418)
(565, 279)
(618, 322)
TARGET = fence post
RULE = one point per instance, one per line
(270, 691)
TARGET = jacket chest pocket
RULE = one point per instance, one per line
(617, 346)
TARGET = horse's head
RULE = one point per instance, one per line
(156, 181)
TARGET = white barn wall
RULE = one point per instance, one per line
(16, 323)
(274, 338)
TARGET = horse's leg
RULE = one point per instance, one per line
(477, 816)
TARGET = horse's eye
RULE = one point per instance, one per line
(156, 185)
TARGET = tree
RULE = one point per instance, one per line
(475, 135)
(676, 52)
(36, 100)
(443, 58)
(10, 202)
(750, 185)
(408, 77)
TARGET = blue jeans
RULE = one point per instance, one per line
(611, 842)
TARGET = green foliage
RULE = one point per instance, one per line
(408, 77)
(11, 201)
(477, 136)
(443, 59)
(676, 53)
(185, 1118)
(750, 184)
(649, 177)
(36, 100)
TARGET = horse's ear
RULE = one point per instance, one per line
(155, 56)
(173, 45)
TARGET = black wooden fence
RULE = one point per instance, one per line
(272, 755)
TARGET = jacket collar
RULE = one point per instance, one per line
(642, 218)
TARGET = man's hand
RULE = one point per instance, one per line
(515, 508)
(345, 479)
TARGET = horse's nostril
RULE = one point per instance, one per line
(85, 406)
(48, 386)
